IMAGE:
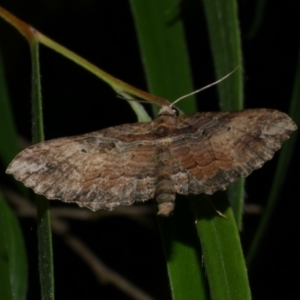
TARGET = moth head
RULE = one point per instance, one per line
(168, 111)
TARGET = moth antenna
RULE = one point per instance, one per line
(205, 87)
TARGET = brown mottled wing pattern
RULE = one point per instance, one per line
(102, 169)
(217, 148)
(199, 153)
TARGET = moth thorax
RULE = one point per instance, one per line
(162, 130)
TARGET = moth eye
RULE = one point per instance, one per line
(176, 111)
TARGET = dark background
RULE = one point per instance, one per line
(77, 102)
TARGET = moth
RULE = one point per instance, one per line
(191, 154)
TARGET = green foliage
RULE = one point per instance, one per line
(222, 251)
(164, 50)
(13, 263)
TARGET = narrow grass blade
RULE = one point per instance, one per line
(285, 156)
(222, 251)
(13, 264)
(224, 34)
(164, 52)
(223, 256)
(43, 213)
(183, 253)
(137, 107)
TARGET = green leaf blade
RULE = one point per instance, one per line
(163, 49)
(223, 256)
(222, 251)
(13, 263)
(184, 257)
